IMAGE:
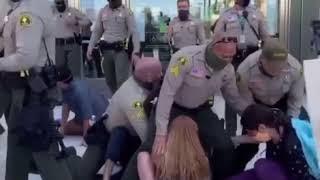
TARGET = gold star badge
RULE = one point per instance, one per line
(25, 20)
(137, 105)
(183, 60)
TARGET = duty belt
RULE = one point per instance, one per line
(281, 104)
(117, 46)
(65, 41)
(207, 104)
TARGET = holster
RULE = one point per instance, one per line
(117, 46)
(35, 129)
(98, 134)
(13, 80)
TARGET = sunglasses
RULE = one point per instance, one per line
(228, 40)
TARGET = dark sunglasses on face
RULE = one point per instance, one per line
(228, 40)
(59, 3)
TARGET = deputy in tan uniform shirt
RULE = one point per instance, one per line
(271, 77)
(28, 28)
(115, 23)
(69, 24)
(196, 73)
(238, 19)
(126, 109)
(249, 25)
(185, 30)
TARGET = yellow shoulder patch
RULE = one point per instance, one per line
(137, 105)
(25, 20)
(139, 111)
(183, 60)
(175, 70)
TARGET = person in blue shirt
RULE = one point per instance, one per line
(83, 100)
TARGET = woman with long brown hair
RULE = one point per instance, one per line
(184, 159)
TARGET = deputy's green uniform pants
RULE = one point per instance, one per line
(71, 56)
(19, 158)
(212, 136)
(116, 68)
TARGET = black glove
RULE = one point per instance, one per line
(1, 129)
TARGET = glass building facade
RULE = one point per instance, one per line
(207, 10)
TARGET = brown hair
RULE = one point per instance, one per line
(185, 158)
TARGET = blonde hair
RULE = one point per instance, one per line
(185, 158)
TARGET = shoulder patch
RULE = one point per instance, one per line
(137, 105)
(183, 60)
(139, 111)
(25, 20)
(175, 70)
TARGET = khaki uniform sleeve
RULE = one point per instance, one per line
(97, 31)
(200, 33)
(263, 26)
(132, 28)
(296, 94)
(230, 91)
(242, 78)
(82, 19)
(172, 82)
(28, 31)
(116, 115)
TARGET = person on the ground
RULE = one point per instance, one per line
(291, 149)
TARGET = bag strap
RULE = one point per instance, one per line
(245, 15)
(49, 60)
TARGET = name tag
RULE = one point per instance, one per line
(242, 39)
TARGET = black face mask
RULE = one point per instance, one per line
(213, 60)
(61, 6)
(245, 3)
(15, 1)
(114, 4)
(183, 15)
